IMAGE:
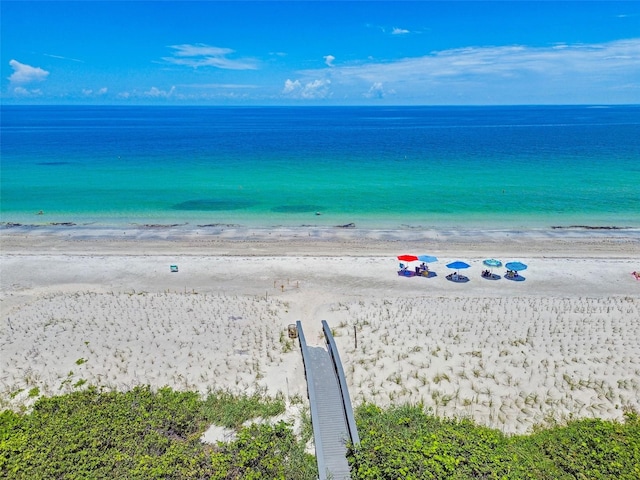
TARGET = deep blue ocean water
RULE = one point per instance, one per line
(533, 166)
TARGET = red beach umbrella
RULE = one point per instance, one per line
(407, 258)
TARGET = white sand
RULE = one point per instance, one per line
(78, 306)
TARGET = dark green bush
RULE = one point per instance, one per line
(145, 434)
(404, 442)
(594, 448)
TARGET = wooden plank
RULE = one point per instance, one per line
(331, 432)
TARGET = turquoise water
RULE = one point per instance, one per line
(375, 167)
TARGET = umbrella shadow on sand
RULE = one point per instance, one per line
(429, 274)
(488, 273)
(512, 271)
(515, 278)
(424, 270)
(456, 277)
(491, 276)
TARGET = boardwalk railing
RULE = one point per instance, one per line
(315, 417)
(332, 416)
(342, 382)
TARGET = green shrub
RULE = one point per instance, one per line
(594, 448)
(145, 434)
(405, 442)
(142, 434)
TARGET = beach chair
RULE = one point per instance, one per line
(174, 268)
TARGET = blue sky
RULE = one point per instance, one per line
(320, 53)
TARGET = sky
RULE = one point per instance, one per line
(319, 52)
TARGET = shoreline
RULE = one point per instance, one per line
(362, 226)
(81, 306)
(234, 240)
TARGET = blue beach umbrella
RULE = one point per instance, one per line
(457, 265)
(427, 258)
(492, 262)
(515, 266)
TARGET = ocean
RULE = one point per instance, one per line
(373, 167)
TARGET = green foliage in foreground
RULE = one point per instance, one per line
(404, 442)
(143, 434)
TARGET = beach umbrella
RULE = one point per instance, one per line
(407, 258)
(515, 266)
(458, 265)
(426, 259)
(492, 262)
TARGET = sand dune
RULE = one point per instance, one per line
(95, 310)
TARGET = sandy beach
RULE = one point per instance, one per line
(82, 307)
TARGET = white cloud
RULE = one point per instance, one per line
(328, 59)
(157, 93)
(23, 92)
(516, 73)
(376, 91)
(94, 93)
(201, 55)
(291, 86)
(399, 31)
(241, 86)
(23, 74)
(62, 58)
(315, 89)
(390, 30)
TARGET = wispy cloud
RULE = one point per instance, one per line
(399, 31)
(23, 92)
(201, 55)
(59, 57)
(23, 74)
(389, 30)
(88, 92)
(240, 86)
(506, 69)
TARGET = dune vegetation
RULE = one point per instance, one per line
(147, 434)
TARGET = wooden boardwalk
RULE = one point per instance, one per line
(331, 410)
